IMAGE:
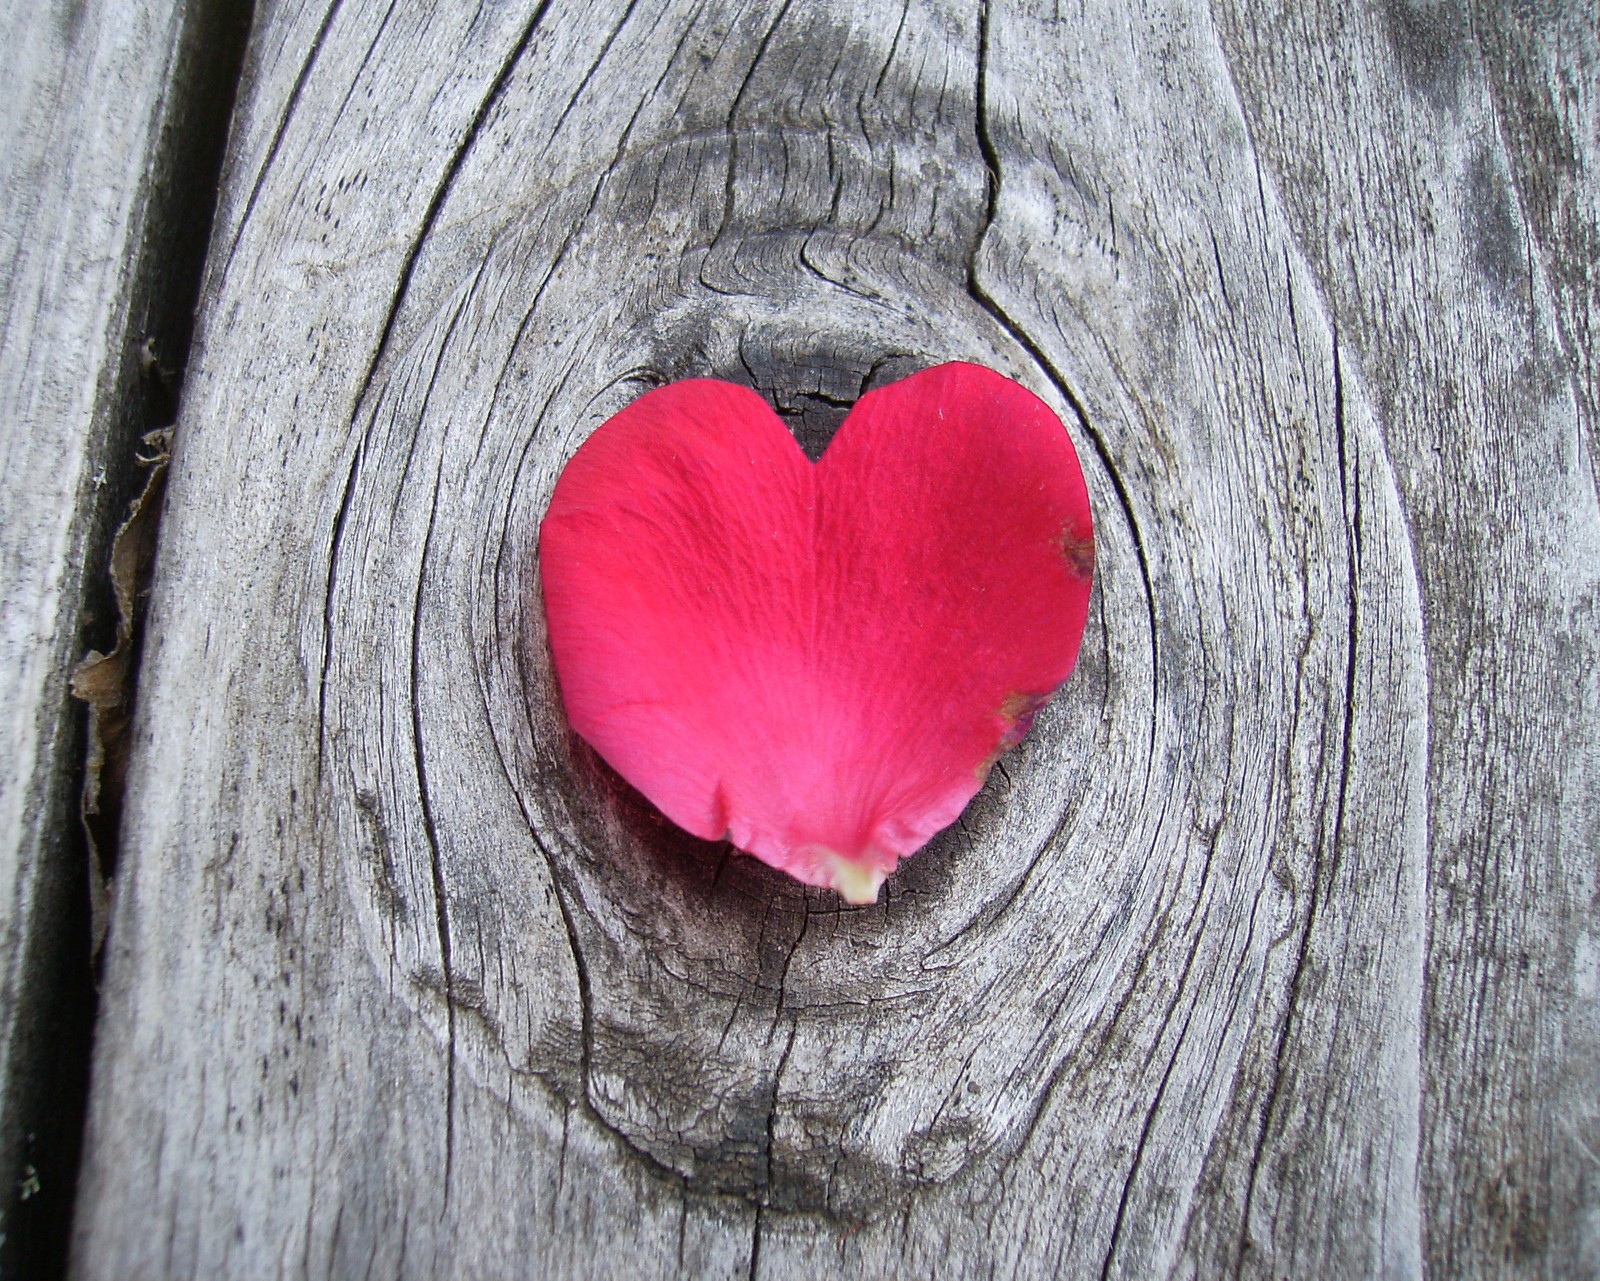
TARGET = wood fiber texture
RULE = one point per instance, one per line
(1270, 952)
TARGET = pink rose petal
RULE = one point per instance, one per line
(819, 663)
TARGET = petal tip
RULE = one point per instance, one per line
(855, 882)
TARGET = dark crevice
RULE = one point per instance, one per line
(44, 1097)
(336, 539)
(588, 76)
(807, 262)
(1270, 1107)
(1350, 496)
(888, 60)
(1222, 279)
(1138, 1152)
(1323, 867)
(334, 543)
(435, 203)
(991, 159)
(317, 42)
(559, 892)
(441, 908)
(1294, 318)
(755, 61)
(733, 130)
(769, 1142)
(1137, 1164)
(352, 81)
(440, 192)
(980, 295)
(436, 868)
(755, 1247)
(783, 974)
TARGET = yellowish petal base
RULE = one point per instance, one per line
(856, 882)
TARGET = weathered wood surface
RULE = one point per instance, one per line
(1272, 951)
(95, 217)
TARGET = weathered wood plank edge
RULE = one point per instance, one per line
(111, 303)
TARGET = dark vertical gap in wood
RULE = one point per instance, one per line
(57, 1002)
(755, 1247)
(442, 190)
(1324, 864)
(317, 41)
(435, 863)
(1019, 335)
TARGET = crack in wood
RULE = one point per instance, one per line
(290, 104)
(441, 905)
(1322, 869)
(335, 539)
(1046, 366)
(442, 189)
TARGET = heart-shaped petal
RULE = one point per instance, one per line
(819, 663)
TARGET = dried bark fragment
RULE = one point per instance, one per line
(104, 681)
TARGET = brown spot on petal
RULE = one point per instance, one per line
(1019, 706)
(1079, 554)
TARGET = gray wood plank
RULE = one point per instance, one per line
(104, 182)
(402, 980)
(1472, 316)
